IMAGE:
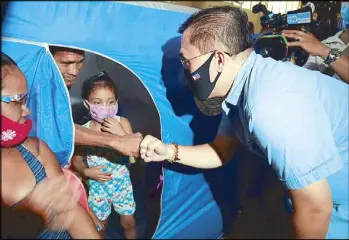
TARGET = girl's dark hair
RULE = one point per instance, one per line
(100, 80)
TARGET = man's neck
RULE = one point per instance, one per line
(238, 61)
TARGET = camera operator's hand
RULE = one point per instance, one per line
(308, 42)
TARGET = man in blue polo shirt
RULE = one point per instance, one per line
(295, 118)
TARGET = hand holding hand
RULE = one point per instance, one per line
(113, 126)
(308, 42)
(152, 149)
(97, 174)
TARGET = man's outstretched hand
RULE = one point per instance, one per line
(128, 144)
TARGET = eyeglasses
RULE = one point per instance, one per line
(185, 61)
(20, 98)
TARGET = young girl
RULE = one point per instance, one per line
(107, 172)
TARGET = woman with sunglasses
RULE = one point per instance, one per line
(28, 163)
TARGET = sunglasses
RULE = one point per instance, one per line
(19, 98)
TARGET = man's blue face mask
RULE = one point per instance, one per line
(345, 15)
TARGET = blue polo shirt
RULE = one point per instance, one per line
(297, 119)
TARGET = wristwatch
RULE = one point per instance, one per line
(334, 55)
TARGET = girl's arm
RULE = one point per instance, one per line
(128, 129)
(95, 173)
(126, 125)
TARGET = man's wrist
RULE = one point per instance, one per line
(114, 142)
(325, 52)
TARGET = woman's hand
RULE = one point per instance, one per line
(97, 174)
(308, 42)
(113, 126)
(53, 199)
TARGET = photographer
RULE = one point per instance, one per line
(324, 56)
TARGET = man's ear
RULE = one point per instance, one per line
(220, 60)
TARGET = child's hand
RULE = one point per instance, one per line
(99, 224)
(113, 126)
(97, 174)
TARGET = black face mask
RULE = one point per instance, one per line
(199, 81)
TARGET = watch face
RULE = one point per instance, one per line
(333, 56)
(336, 52)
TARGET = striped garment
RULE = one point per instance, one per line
(39, 172)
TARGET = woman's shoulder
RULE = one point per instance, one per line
(33, 145)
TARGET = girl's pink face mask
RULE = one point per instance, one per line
(98, 112)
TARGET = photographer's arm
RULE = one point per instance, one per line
(316, 48)
(341, 67)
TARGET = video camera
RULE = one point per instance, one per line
(272, 43)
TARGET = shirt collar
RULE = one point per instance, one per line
(335, 38)
(240, 79)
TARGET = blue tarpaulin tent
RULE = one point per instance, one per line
(145, 40)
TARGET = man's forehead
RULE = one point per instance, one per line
(69, 56)
(185, 46)
(188, 50)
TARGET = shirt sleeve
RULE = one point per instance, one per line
(296, 134)
(315, 63)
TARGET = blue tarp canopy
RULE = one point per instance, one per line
(145, 40)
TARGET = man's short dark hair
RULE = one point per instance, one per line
(54, 49)
(226, 25)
